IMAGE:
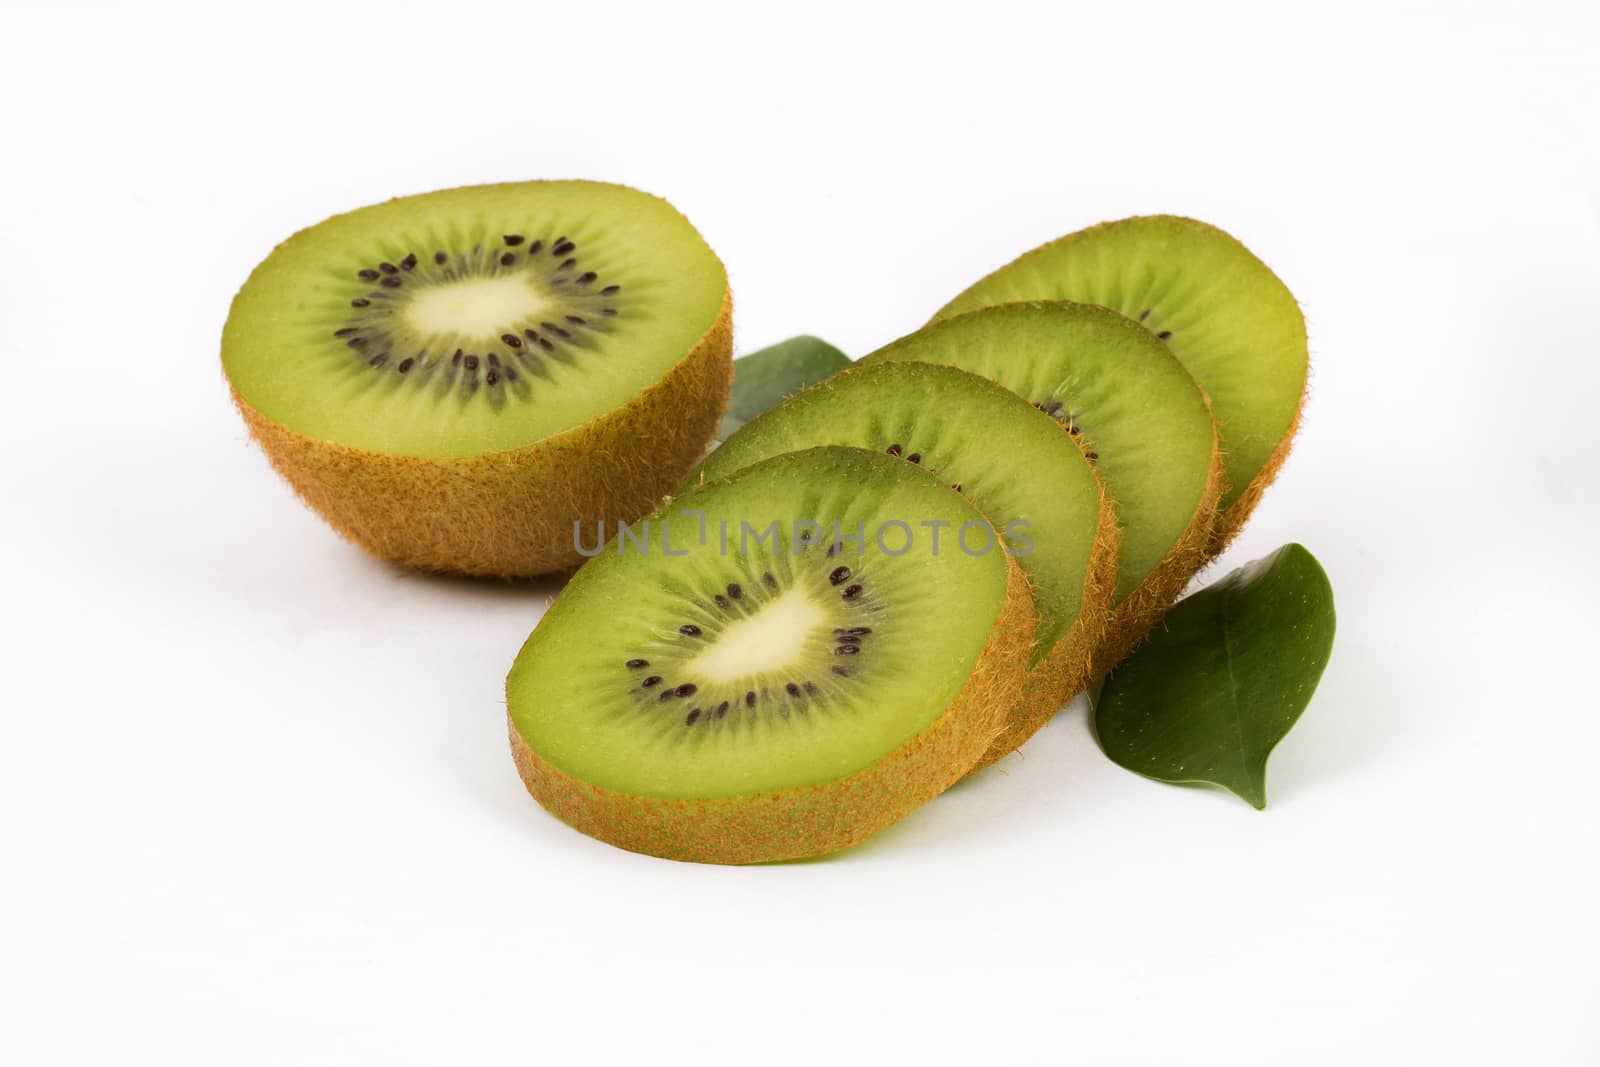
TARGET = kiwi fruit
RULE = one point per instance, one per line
(1030, 480)
(741, 678)
(457, 381)
(1144, 423)
(1224, 314)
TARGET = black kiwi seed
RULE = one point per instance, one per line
(392, 281)
(439, 258)
(722, 709)
(367, 275)
(409, 262)
(611, 290)
(566, 264)
(455, 360)
(563, 246)
(687, 689)
(734, 591)
(792, 689)
(1092, 456)
(492, 377)
(360, 302)
(841, 671)
(494, 360)
(587, 277)
(513, 238)
(666, 695)
(915, 457)
(1165, 335)
(378, 360)
(769, 580)
(654, 679)
(471, 362)
(851, 592)
(511, 339)
(893, 450)
(405, 365)
(847, 650)
(689, 629)
(1145, 314)
(688, 720)
(544, 343)
(508, 259)
(722, 601)
(356, 342)
(577, 320)
(612, 312)
(347, 331)
(534, 248)
(388, 268)
(838, 574)
(635, 664)
(553, 328)
(857, 631)
(750, 699)
(511, 374)
(956, 486)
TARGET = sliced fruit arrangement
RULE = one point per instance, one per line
(453, 380)
(1138, 414)
(737, 681)
(1032, 482)
(1224, 314)
(883, 577)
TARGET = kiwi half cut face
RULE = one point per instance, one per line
(1031, 480)
(1224, 314)
(454, 379)
(1120, 394)
(699, 691)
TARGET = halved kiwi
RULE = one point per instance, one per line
(1122, 395)
(1225, 315)
(1031, 480)
(454, 380)
(737, 680)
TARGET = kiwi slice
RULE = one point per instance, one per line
(1225, 315)
(454, 380)
(1031, 480)
(1145, 425)
(736, 679)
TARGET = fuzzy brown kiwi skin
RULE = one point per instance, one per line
(810, 820)
(1066, 669)
(1142, 609)
(510, 514)
(1231, 521)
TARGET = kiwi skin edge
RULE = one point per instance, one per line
(817, 819)
(510, 514)
(1066, 669)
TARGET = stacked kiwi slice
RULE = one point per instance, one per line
(886, 581)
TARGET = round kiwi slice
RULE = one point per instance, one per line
(1031, 480)
(1120, 393)
(742, 678)
(454, 379)
(1225, 315)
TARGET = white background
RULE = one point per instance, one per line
(255, 799)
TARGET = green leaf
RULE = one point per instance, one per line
(1224, 678)
(762, 379)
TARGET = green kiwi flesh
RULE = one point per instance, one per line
(727, 682)
(1225, 315)
(471, 320)
(1114, 387)
(1012, 461)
